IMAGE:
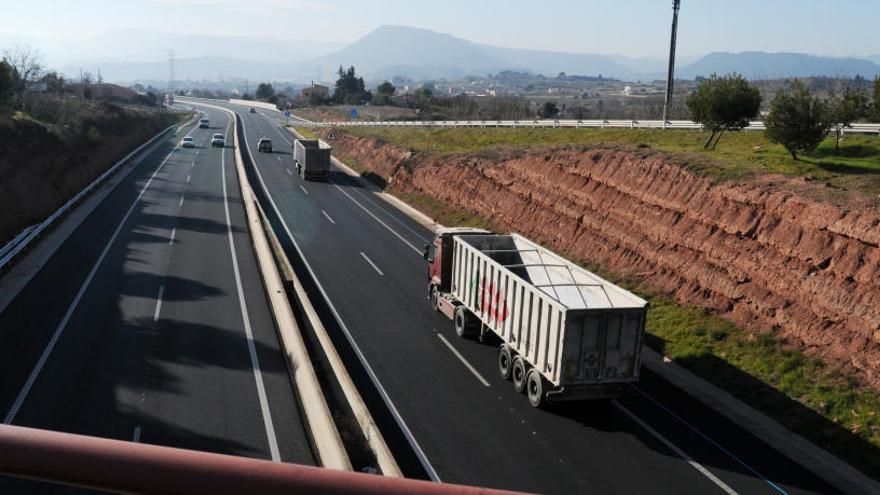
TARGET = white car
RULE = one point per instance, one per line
(204, 124)
(188, 142)
(218, 140)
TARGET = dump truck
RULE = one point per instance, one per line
(563, 333)
(311, 157)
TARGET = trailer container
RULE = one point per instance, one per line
(564, 333)
(312, 158)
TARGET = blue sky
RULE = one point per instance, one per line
(626, 27)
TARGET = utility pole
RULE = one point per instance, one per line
(671, 75)
(171, 73)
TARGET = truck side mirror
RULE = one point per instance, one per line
(428, 253)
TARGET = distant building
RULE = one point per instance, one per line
(315, 91)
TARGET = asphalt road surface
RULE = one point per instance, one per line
(469, 425)
(150, 322)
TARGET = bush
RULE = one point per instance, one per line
(797, 120)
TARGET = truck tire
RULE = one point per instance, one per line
(462, 321)
(518, 372)
(535, 388)
(505, 361)
(434, 296)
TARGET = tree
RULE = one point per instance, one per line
(846, 109)
(54, 83)
(723, 103)
(264, 91)
(875, 103)
(797, 119)
(548, 110)
(26, 68)
(350, 88)
(7, 82)
(384, 93)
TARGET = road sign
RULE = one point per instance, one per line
(354, 113)
(287, 114)
(330, 136)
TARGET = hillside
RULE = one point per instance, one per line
(762, 65)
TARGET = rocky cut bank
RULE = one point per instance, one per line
(760, 254)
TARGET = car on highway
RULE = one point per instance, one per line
(188, 142)
(218, 140)
(264, 145)
(252, 110)
(204, 123)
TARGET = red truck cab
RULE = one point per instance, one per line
(438, 254)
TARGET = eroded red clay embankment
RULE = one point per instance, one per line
(765, 257)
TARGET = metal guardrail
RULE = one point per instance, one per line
(130, 467)
(757, 125)
(40, 228)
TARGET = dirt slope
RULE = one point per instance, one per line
(763, 255)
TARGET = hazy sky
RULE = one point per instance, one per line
(627, 27)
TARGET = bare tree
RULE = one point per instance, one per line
(27, 62)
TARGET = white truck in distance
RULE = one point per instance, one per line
(564, 332)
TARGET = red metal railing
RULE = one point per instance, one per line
(130, 467)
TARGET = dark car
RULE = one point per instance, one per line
(264, 145)
(252, 110)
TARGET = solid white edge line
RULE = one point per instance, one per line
(372, 264)
(38, 367)
(414, 248)
(159, 303)
(136, 436)
(423, 459)
(463, 360)
(696, 465)
(328, 217)
(389, 212)
(255, 362)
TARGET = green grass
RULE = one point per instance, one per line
(738, 155)
(801, 393)
(307, 132)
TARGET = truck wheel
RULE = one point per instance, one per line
(535, 389)
(435, 295)
(518, 374)
(462, 322)
(504, 361)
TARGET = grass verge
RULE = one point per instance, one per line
(801, 393)
(740, 154)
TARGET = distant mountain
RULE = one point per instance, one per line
(414, 52)
(762, 65)
(126, 55)
(186, 69)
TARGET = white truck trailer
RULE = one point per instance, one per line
(564, 333)
(312, 158)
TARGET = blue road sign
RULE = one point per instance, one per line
(287, 114)
(354, 113)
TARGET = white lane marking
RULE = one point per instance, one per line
(136, 437)
(278, 158)
(708, 439)
(328, 217)
(410, 438)
(371, 263)
(180, 203)
(463, 360)
(159, 302)
(188, 177)
(173, 233)
(389, 212)
(303, 189)
(696, 465)
(255, 362)
(417, 250)
(288, 172)
(38, 367)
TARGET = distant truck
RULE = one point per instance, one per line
(311, 157)
(564, 333)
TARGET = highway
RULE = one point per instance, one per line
(467, 425)
(150, 322)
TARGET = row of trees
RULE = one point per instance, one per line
(797, 119)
